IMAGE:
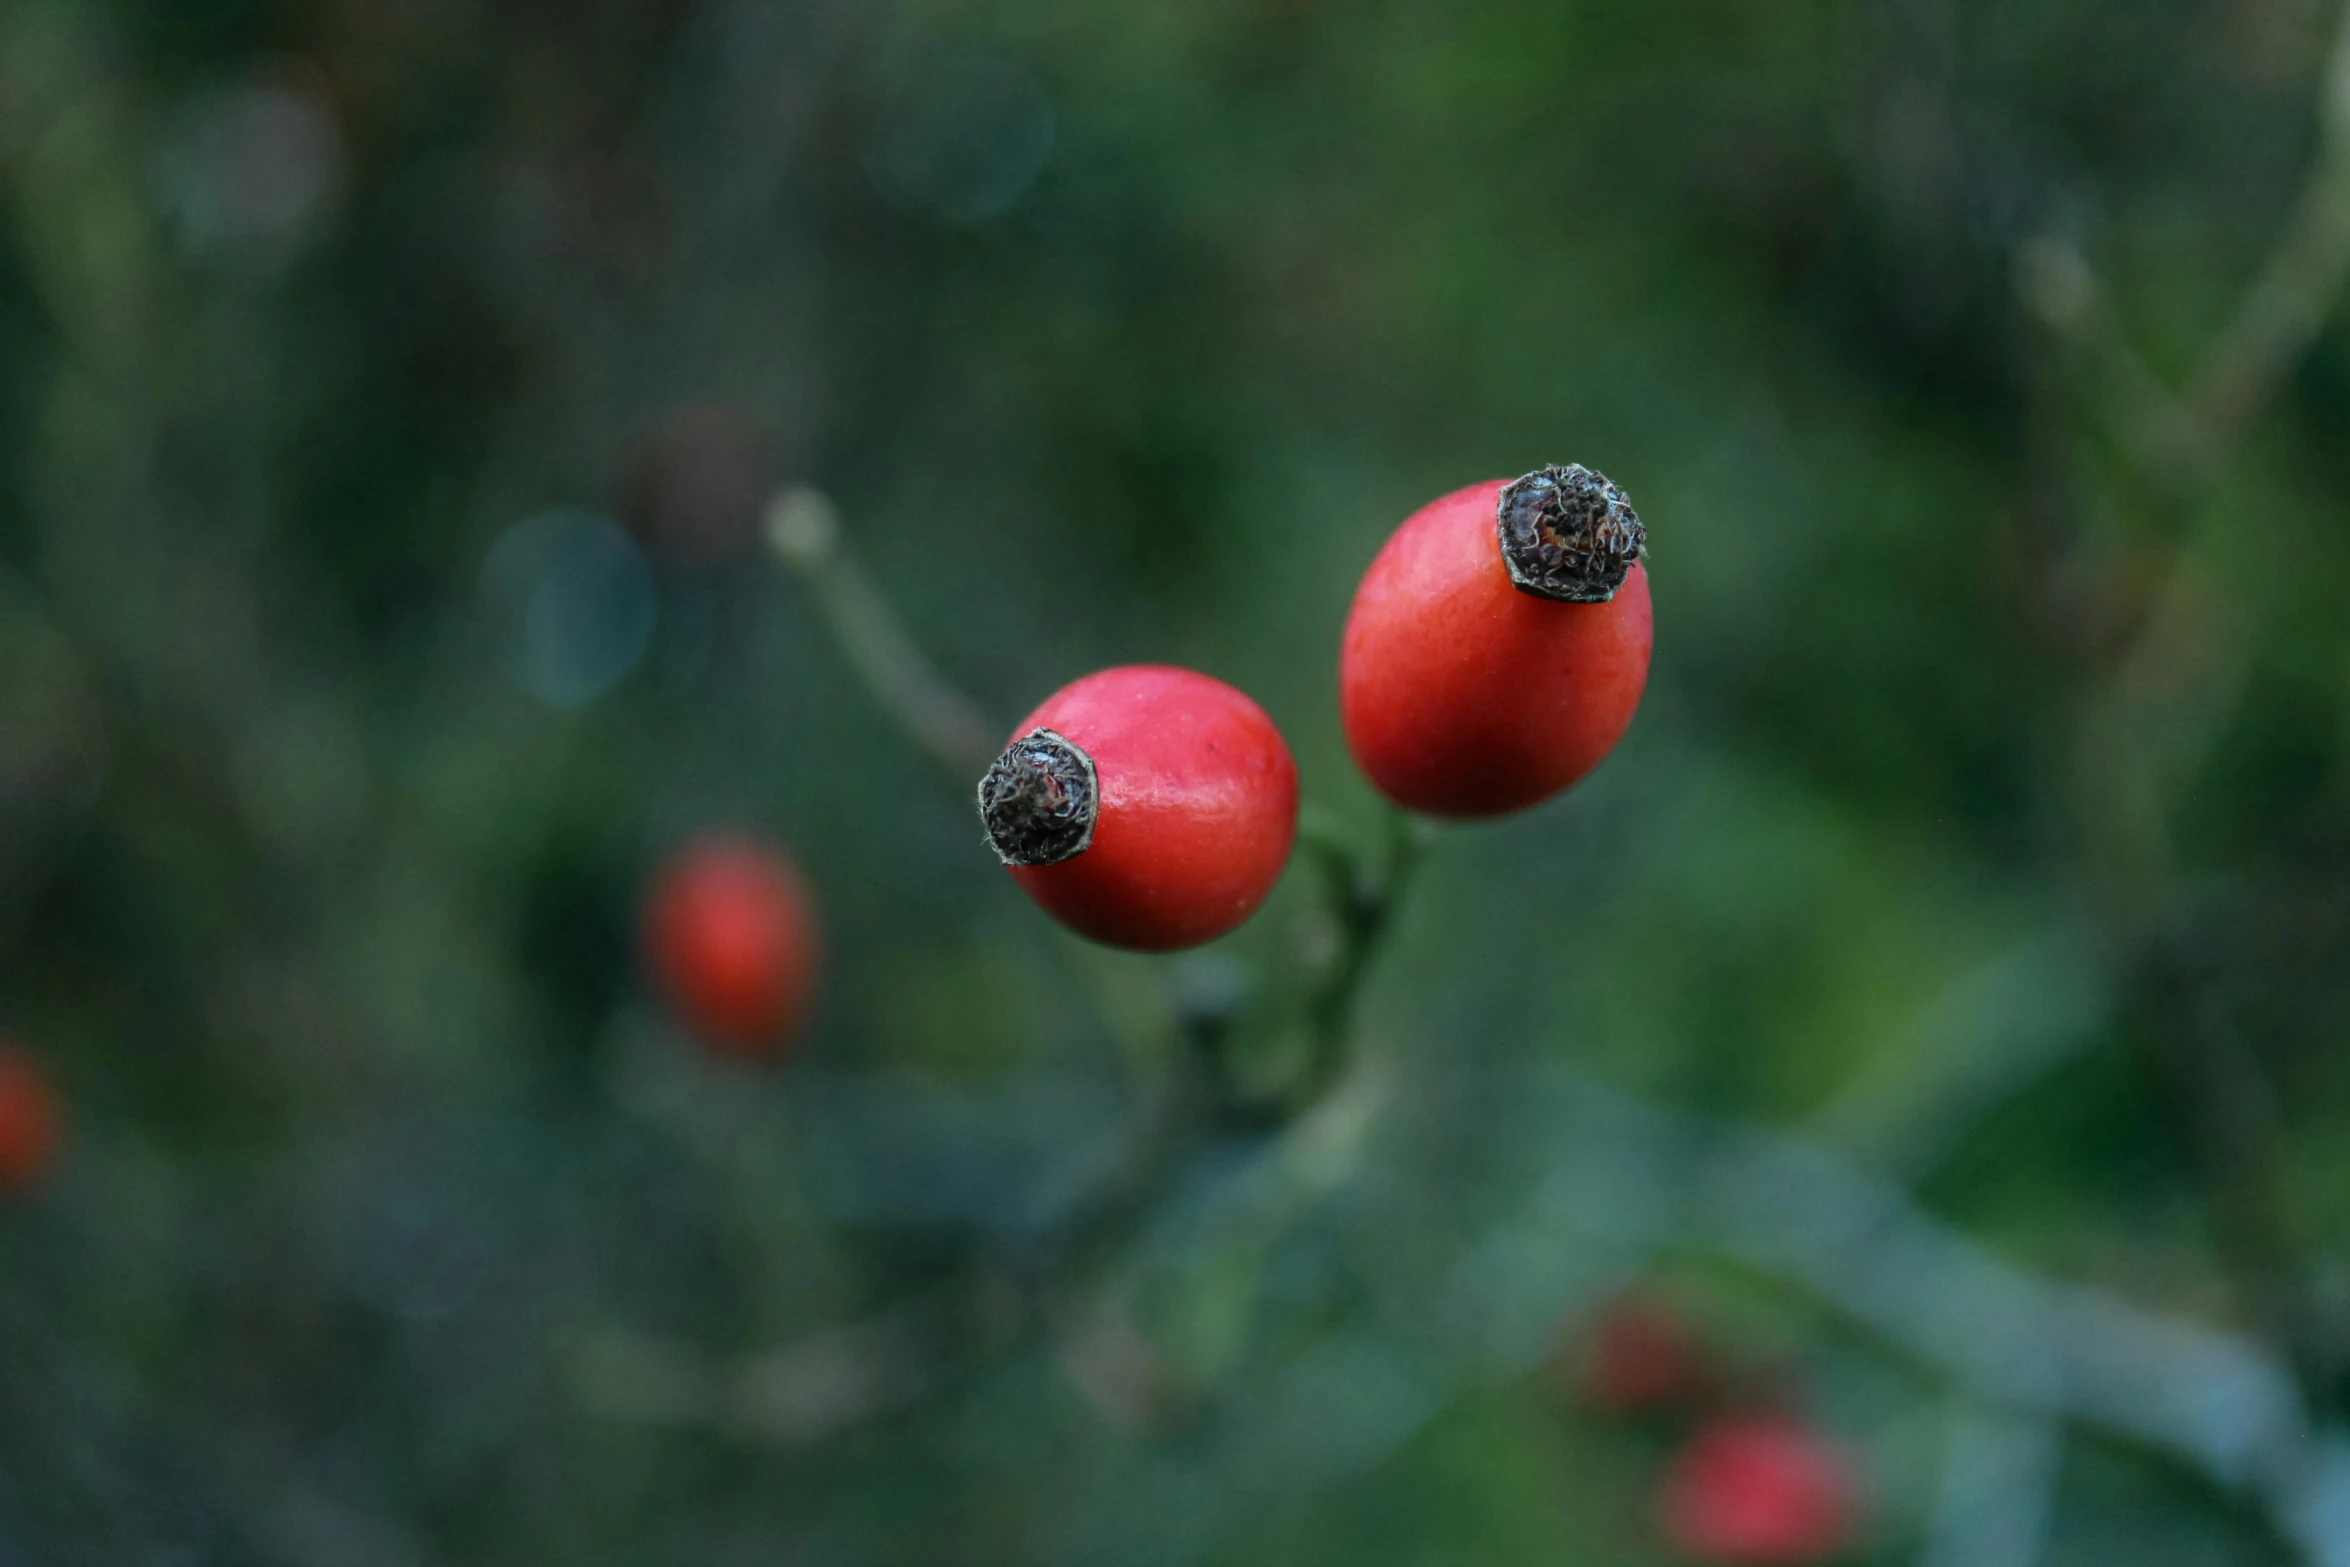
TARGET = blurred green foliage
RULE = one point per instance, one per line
(388, 392)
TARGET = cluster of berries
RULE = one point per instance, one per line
(1496, 652)
(1754, 1485)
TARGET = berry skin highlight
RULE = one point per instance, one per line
(1499, 645)
(1144, 807)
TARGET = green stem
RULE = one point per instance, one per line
(1201, 1096)
(1363, 905)
(803, 531)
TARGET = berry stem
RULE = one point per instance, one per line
(1208, 1018)
(2179, 439)
(1362, 903)
(803, 532)
(2302, 279)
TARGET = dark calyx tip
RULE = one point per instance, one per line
(1568, 534)
(1040, 801)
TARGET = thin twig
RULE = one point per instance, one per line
(1362, 904)
(800, 1392)
(2297, 289)
(2194, 1054)
(803, 531)
(2143, 413)
(1618, 1181)
(2230, 1118)
(2175, 440)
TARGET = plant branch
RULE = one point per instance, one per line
(1616, 1181)
(2171, 444)
(803, 531)
(1362, 905)
(2174, 440)
(2296, 291)
(2230, 1118)
(2221, 1403)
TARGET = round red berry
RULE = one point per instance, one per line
(1145, 807)
(30, 1124)
(730, 936)
(1499, 645)
(1762, 1490)
(1641, 1355)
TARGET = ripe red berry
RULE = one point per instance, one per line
(1144, 807)
(1499, 644)
(730, 935)
(1764, 1490)
(1640, 1355)
(30, 1125)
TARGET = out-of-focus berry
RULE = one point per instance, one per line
(730, 936)
(1759, 1491)
(1638, 1356)
(30, 1124)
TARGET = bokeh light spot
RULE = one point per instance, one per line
(254, 168)
(962, 136)
(571, 603)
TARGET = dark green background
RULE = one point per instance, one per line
(1117, 333)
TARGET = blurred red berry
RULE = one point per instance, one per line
(1765, 1490)
(730, 936)
(1145, 807)
(1641, 1355)
(1498, 646)
(30, 1125)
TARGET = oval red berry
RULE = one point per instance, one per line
(1759, 1491)
(730, 936)
(1464, 695)
(1145, 807)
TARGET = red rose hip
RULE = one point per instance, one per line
(1144, 807)
(730, 937)
(30, 1126)
(1640, 1355)
(1759, 1491)
(1499, 644)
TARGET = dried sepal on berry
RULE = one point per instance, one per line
(1040, 800)
(1568, 534)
